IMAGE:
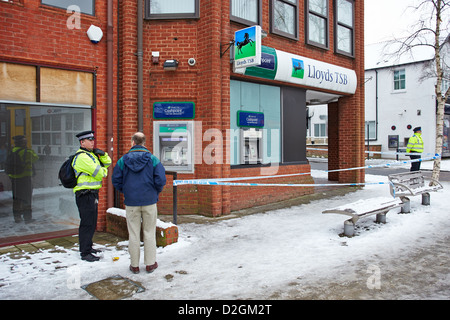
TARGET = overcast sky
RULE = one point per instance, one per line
(385, 18)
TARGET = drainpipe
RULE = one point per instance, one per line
(140, 65)
(110, 91)
(376, 104)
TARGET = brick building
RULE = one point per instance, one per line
(173, 77)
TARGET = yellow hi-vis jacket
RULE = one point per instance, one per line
(89, 170)
(415, 143)
(28, 157)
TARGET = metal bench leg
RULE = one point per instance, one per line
(406, 207)
(426, 199)
(349, 228)
(381, 218)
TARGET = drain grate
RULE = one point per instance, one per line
(113, 288)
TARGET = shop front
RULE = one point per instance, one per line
(41, 110)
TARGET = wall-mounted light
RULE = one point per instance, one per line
(170, 64)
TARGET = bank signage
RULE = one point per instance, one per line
(247, 47)
(303, 71)
(173, 110)
(250, 119)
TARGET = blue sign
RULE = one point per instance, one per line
(250, 119)
(173, 110)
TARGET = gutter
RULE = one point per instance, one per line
(140, 65)
(109, 98)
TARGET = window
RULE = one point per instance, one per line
(317, 22)
(252, 97)
(284, 18)
(370, 130)
(246, 11)
(344, 27)
(86, 6)
(320, 130)
(399, 79)
(171, 9)
(50, 137)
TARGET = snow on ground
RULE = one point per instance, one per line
(283, 254)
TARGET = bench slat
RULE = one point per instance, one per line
(366, 207)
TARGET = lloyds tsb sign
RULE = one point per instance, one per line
(287, 67)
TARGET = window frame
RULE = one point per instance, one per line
(296, 19)
(327, 27)
(65, 8)
(245, 21)
(399, 80)
(338, 24)
(159, 16)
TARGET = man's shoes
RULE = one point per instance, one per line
(90, 258)
(135, 270)
(151, 268)
(94, 251)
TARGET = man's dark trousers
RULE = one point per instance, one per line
(415, 166)
(87, 202)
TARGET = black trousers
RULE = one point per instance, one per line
(22, 192)
(87, 203)
(415, 166)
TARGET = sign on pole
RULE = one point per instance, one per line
(247, 47)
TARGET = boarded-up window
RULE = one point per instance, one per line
(17, 82)
(63, 86)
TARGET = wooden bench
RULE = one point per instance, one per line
(412, 184)
(363, 208)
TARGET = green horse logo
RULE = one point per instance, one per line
(298, 68)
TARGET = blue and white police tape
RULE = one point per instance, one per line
(385, 152)
(248, 184)
(175, 182)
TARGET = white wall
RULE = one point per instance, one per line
(400, 108)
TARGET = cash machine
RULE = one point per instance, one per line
(251, 124)
(251, 145)
(173, 144)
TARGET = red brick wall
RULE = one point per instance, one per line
(46, 40)
(207, 84)
(38, 34)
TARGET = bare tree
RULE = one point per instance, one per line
(431, 30)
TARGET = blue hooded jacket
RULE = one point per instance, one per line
(140, 176)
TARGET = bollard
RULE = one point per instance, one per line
(349, 228)
(406, 208)
(426, 199)
(381, 218)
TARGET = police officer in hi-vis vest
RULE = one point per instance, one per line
(90, 166)
(415, 145)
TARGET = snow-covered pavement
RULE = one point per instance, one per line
(291, 253)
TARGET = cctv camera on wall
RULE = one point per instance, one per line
(95, 34)
(191, 62)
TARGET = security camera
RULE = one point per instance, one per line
(191, 62)
(95, 34)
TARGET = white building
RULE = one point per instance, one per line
(398, 98)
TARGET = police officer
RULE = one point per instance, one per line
(91, 166)
(415, 145)
(20, 170)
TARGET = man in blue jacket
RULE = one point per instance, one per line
(140, 176)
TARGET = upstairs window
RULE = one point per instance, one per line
(399, 79)
(344, 27)
(284, 18)
(317, 23)
(86, 6)
(246, 11)
(171, 9)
